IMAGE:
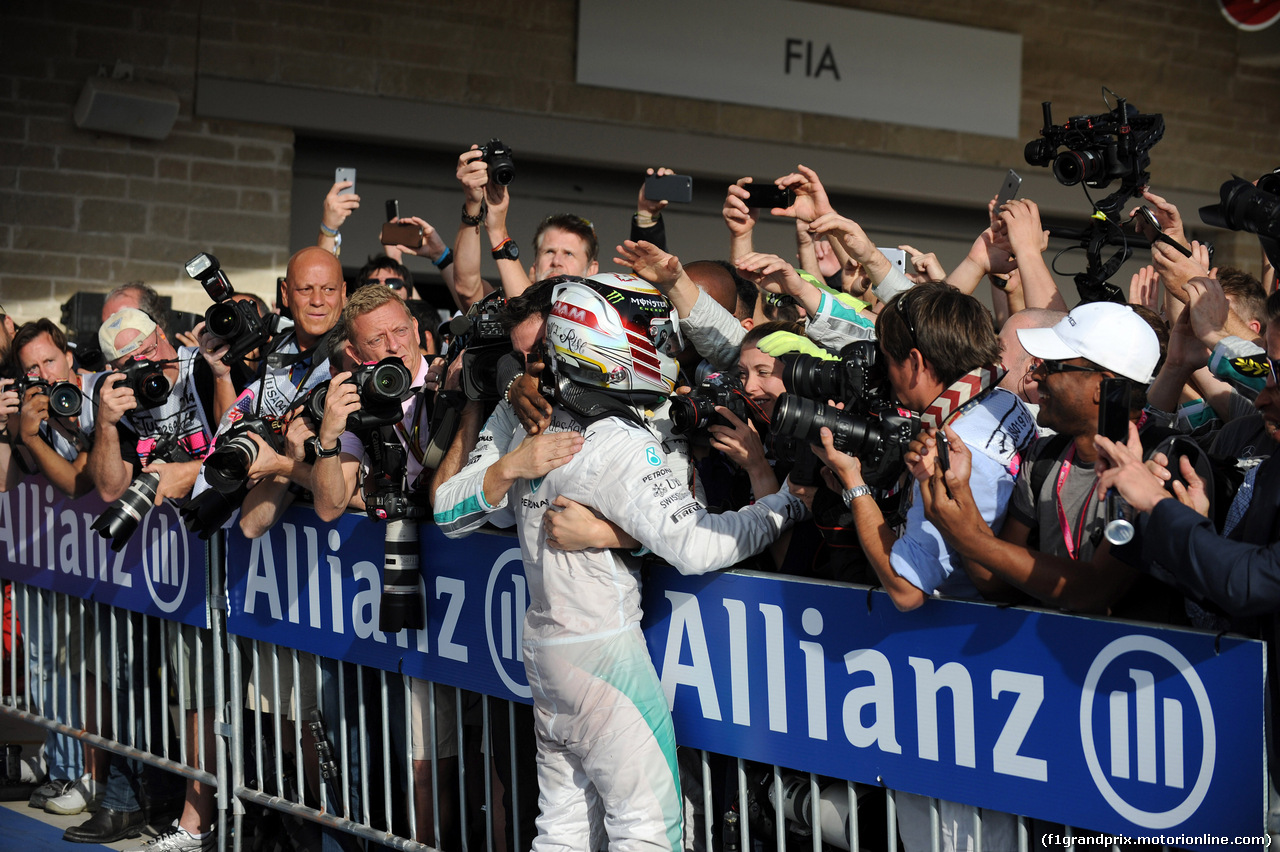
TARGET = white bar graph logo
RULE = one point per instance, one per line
(506, 597)
(1147, 731)
(166, 562)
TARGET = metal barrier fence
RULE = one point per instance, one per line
(313, 713)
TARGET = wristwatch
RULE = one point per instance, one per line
(507, 250)
(851, 494)
(321, 452)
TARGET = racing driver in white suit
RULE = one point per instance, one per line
(605, 739)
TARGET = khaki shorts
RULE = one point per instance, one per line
(300, 703)
(446, 698)
(180, 641)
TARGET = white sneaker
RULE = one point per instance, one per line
(84, 795)
(32, 768)
(178, 839)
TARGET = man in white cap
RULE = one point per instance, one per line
(1051, 546)
(126, 433)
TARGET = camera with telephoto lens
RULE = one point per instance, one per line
(122, 517)
(147, 380)
(1246, 207)
(383, 388)
(696, 411)
(498, 158)
(870, 426)
(227, 467)
(877, 435)
(65, 399)
(858, 375)
(236, 323)
(1115, 145)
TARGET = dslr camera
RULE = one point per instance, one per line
(237, 323)
(146, 379)
(498, 157)
(696, 411)
(1115, 145)
(870, 426)
(64, 397)
(227, 467)
(383, 387)
(1246, 207)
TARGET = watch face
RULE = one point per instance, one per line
(513, 251)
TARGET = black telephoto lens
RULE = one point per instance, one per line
(813, 377)
(803, 418)
(227, 467)
(401, 606)
(122, 517)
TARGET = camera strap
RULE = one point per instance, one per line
(278, 360)
(962, 393)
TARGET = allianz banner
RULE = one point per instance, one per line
(46, 541)
(1123, 728)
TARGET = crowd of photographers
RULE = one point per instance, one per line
(848, 413)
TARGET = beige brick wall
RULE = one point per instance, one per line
(87, 211)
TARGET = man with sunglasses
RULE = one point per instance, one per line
(387, 272)
(1051, 546)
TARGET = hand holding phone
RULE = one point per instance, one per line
(341, 174)
(768, 196)
(1008, 189)
(677, 188)
(1113, 410)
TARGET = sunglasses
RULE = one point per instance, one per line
(904, 313)
(394, 283)
(1048, 367)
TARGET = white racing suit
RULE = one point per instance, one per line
(605, 739)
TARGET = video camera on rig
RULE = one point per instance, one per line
(1115, 145)
(64, 397)
(696, 411)
(237, 323)
(871, 426)
(1249, 207)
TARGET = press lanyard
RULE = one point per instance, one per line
(411, 439)
(1072, 544)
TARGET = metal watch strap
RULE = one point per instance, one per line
(851, 494)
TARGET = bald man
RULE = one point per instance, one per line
(292, 365)
(1015, 359)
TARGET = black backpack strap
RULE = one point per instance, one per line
(1046, 461)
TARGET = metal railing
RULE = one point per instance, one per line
(329, 744)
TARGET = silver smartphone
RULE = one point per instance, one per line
(897, 257)
(341, 174)
(1008, 189)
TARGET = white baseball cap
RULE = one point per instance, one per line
(123, 319)
(1110, 335)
